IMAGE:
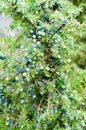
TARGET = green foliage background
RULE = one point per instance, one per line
(43, 68)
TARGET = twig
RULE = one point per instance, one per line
(55, 32)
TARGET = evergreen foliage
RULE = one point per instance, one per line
(35, 92)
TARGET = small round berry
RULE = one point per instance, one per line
(21, 90)
(34, 96)
(39, 36)
(8, 118)
(64, 46)
(57, 73)
(24, 74)
(43, 33)
(34, 40)
(47, 68)
(38, 43)
(34, 36)
(64, 20)
(27, 69)
(2, 57)
(31, 31)
(17, 78)
(7, 123)
(59, 56)
(7, 78)
(22, 101)
(68, 60)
